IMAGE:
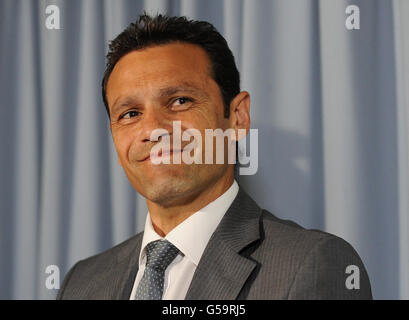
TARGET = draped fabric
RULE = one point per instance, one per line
(331, 106)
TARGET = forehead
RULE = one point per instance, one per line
(159, 66)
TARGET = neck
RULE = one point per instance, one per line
(164, 219)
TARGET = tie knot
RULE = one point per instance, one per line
(159, 254)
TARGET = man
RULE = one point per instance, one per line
(204, 237)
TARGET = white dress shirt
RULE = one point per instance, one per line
(191, 238)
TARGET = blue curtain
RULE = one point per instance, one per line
(331, 106)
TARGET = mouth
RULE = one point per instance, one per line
(161, 154)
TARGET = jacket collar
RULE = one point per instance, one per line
(222, 271)
(127, 267)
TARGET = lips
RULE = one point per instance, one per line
(161, 153)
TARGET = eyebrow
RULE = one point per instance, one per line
(123, 102)
(168, 91)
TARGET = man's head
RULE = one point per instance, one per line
(153, 31)
(166, 69)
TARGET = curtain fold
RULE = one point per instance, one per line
(401, 46)
(331, 106)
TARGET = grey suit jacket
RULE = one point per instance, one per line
(251, 255)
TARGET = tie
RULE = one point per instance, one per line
(159, 255)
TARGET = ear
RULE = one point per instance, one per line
(240, 114)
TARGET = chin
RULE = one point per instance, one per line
(169, 185)
(168, 192)
(165, 181)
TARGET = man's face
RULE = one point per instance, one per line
(149, 89)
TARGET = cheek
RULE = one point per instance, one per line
(122, 141)
(203, 119)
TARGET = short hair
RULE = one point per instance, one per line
(151, 31)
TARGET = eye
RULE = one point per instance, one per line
(130, 114)
(181, 100)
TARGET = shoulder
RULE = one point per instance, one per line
(112, 255)
(313, 263)
(98, 269)
(290, 235)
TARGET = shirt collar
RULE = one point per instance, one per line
(192, 235)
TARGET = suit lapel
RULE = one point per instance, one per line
(127, 267)
(222, 271)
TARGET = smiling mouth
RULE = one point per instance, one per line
(162, 154)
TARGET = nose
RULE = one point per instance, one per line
(153, 119)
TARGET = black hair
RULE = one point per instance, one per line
(150, 31)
